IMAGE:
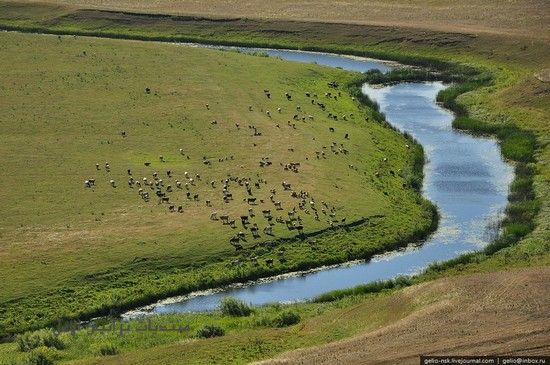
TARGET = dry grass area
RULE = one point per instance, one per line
(526, 18)
(502, 312)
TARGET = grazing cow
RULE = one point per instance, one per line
(196, 197)
(224, 219)
(97, 166)
(268, 230)
(172, 208)
(269, 262)
(251, 212)
(214, 216)
(278, 206)
(112, 182)
(331, 129)
(288, 96)
(251, 201)
(208, 203)
(244, 219)
(180, 209)
(286, 185)
(346, 136)
(161, 158)
(207, 106)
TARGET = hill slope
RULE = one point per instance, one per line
(71, 103)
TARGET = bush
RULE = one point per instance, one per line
(372, 287)
(208, 331)
(287, 318)
(235, 307)
(43, 356)
(108, 349)
(45, 337)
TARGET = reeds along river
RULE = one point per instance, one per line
(465, 176)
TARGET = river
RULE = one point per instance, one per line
(465, 176)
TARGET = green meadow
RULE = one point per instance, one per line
(69, 103)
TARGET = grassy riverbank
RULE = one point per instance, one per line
(105, 248)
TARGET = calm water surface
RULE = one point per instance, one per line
(465, 177)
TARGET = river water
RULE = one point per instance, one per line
(465, 176)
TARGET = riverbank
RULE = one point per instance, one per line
(116, 252)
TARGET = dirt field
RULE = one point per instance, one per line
(472, 16)
(498, 313)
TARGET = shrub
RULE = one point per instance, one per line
(45, 337)
(108, 349)
(235, 307)
(208, 331)
(286, 318)
(43, 356)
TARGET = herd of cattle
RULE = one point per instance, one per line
(166, 186)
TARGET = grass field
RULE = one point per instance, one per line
(526, 18)
(515, 54)
(71, 251)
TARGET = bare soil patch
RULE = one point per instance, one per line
(493, 313)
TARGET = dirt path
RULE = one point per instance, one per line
(496, 313)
